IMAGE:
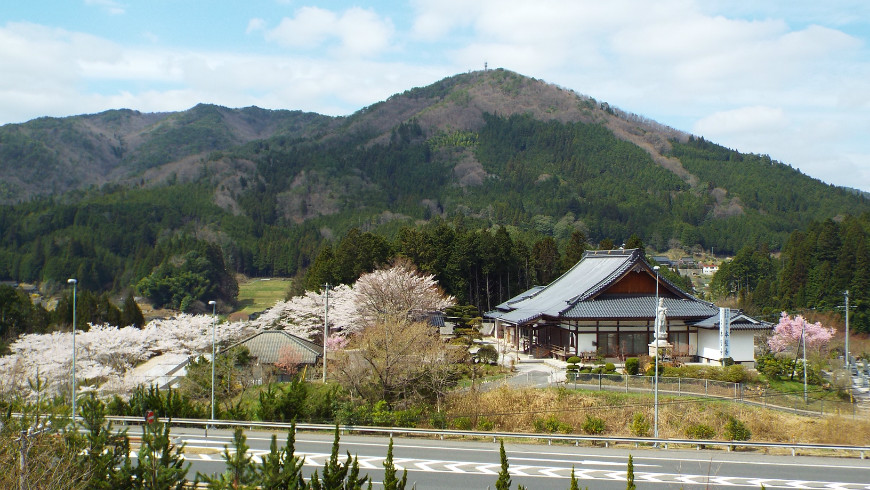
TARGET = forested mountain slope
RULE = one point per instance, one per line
(113, 197)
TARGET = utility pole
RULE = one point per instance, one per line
(213, 358)
(74, 282)
(656, 340)
(325, 329)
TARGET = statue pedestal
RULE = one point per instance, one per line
(661, 344)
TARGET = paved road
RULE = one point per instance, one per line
(457, 464)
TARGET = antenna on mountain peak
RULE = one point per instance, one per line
(485, 66)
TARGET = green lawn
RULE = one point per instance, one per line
(259, 294)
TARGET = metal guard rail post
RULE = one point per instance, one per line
(576, 438)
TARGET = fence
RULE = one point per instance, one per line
(715, 389)
(442, 433)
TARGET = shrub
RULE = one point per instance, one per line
(736, 430)
(551, 424)
(462, 423)
(609, 368)
(484, 423)
(573, 360)
(594, 425)
(639, 425)
(438, 420)
(700, 431)
(407, 418)
(632, 366)
(735, 373)
(487, 354)
(651, 371)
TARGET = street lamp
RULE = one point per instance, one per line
(848, 360)
(804, 345)
(325, 328)
(213, 359)
(656, 341)
(74, 282)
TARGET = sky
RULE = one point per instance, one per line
(789, 79)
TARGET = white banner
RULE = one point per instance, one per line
(724, 332)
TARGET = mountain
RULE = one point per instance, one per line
(51, 156)
(120, 190)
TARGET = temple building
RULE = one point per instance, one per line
(606, 306)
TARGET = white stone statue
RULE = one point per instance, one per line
(661, 320)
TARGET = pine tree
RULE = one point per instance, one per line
(504, 478)
(390, 481)
(282, 469)
(106, 454)
(629, 475)
(160, 463)
(338, 476)
(241, 472)
(574, 484)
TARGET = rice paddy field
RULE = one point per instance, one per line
(259, 294)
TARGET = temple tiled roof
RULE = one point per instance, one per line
(637, 306)
(739, 321)
(578, 294)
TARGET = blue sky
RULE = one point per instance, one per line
(786, 78)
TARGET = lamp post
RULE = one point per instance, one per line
(74, 282)
(325, 328)
(848, 360)
(656, 341)
(213, 359)
(804, 345)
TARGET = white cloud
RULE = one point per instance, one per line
(359, 32)
(110, 6)
(742, 73)
(745, 120)
(255, 25)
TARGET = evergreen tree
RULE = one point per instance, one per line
(337, 476)
(241, 472)
(282, 469)
(131, 314)
(629, 474)
(574, 484)
(574, 250)
(160, 464)
(504, 477)
(634, 241)
(390, 480)
(105, 453)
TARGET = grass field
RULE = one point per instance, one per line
(259, 294)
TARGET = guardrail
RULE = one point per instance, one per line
(442, 433)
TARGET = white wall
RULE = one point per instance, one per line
(584, 342)
(742, 346)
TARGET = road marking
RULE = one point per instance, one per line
(559, 472)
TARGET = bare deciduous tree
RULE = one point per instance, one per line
(391, 360)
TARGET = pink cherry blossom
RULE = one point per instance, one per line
(787, 333)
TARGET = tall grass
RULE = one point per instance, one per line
(518, 410)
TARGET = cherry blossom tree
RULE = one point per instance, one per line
(106, 354)
(787, 334)
(397, 292)
(302, 315)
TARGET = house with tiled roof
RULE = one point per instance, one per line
(606, 304)
(268, 347)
